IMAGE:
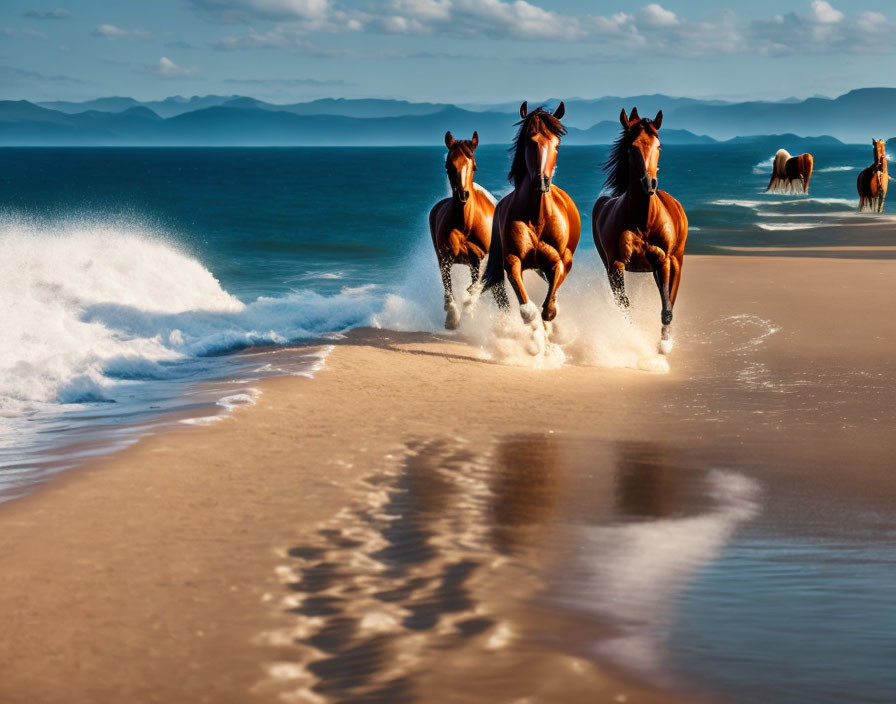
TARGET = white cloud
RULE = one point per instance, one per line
(657, 16)
(166, 68)
(25, 33)
(653, 29)
(824, 29)
(110, 31)
(823, 13)
(489, 18)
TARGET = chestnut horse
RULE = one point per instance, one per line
(536, 226)
(786, 169)
(874, 180)
(461, 226)
(637, 227)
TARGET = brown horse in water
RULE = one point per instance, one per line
(874, 180)
(787, 169)
(461, 226)
(536, 226)
(637, 227)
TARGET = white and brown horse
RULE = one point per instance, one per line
(787, 170)
(461, 226)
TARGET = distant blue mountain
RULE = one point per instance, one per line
(857, 116)
(22, 123)
(240, 120)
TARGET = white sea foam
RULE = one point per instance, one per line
(91, 307)
(589, 329)
(788, 226)
(832, 169)
(764, 167)
(753, 204)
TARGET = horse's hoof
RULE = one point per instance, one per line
(549, 313)
(452, 317)
(665, 346)
(667, 317)
(528, 311)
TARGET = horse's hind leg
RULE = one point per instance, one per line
(452, 314)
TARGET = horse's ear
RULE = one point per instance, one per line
(560, 111)
(633, 115)
(475, 140)
(623, 118)
(449, 140)
(524, 110)
(658, 120)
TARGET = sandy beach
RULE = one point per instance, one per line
(403, 527)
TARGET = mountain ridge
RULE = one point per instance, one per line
(215, 120)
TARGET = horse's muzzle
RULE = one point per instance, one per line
(462, 196)
(649, 184)
(543, 184)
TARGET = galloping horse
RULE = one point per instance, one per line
(461, 226)
(536, 226)
(787, 169)
(637, 227)
(874, 180)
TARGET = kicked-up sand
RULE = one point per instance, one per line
(421, 524)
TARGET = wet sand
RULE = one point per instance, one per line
(418, 523)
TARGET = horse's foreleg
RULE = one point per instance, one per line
(514, 268)
(555, 271)
(452, 314)
(667, 278)
(616, 274)
(662, 278)
(473, 289)
(475, 264)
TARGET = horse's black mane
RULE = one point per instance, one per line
(616, 165)
(535, 121)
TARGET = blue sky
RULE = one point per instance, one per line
(443, 50)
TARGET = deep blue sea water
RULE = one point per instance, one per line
(140, 285)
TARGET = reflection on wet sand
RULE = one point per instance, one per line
(476, 576)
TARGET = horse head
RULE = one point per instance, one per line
(460, 165)
(536, 146)
(642, 138)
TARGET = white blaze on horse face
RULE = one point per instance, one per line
(463, 176)
(549, 157)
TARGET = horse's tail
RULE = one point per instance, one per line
(493, 278)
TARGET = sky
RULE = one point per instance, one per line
(461, 51)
